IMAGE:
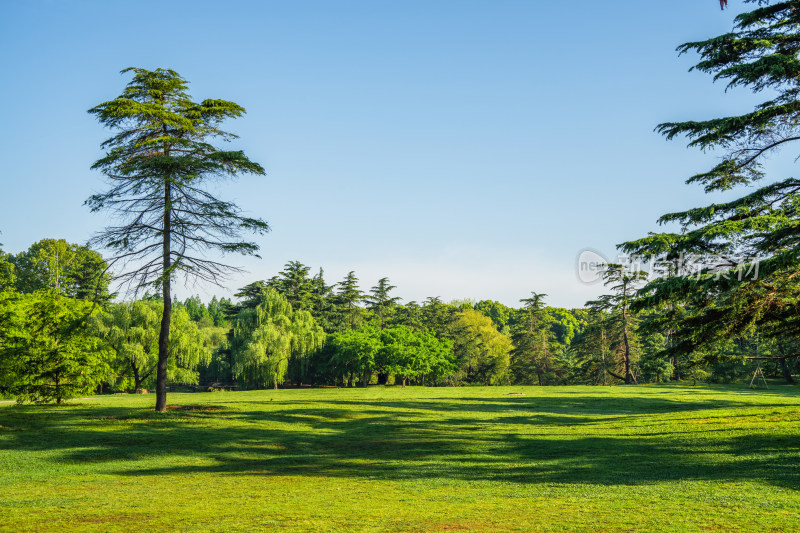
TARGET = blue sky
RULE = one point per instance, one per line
(464, 149)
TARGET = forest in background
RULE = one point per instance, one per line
(297, 329)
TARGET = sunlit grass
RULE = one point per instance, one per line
(413, 459)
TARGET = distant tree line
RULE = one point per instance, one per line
(63, 334)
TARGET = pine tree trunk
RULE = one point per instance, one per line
(787, 375)
(630, 379)
(163, 335)
(603, 352)
(627, 359)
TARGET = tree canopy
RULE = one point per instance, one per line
(265, 338)
(742, 254)
(47, 351)
(71, 269)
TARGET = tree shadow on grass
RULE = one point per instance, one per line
(505, 439)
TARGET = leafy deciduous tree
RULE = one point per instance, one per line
(481, 351)
(415, 355)
(354, 353)
(71, 269)
(499, 313)
(8, 277)
(130, 330)
(266, 337)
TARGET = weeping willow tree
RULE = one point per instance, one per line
(267, 337)
(130, 330)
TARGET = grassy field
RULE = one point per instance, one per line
(416, 459)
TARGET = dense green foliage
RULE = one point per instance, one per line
(283, 332)
(268, 337)
(130, 330)
(70, 269)
(745, 251)
(47, 352)
(397, 350)
(533, 337)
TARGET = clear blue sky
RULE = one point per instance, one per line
(465, 149)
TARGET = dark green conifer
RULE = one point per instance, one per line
(158, 164)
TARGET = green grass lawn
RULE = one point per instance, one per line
(641, 458)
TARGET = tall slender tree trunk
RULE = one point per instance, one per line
(603, 352)
(787, 375)
(163, 335)
(58, 388)
(630, 379)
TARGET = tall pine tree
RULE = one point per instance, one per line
(532, 339)
(624, 283)
(381, 302)
(348, 297)
(158, 163)
(746, 250)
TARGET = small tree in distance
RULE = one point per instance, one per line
(532, 338)
(157, 164)
(380, 301)
(624, 284)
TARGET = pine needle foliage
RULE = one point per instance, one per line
(745, 251)
(47, 351)
(623, 282)
(532, 338)
(380, 302)
(158, 164)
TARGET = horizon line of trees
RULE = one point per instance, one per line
(62, 334)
